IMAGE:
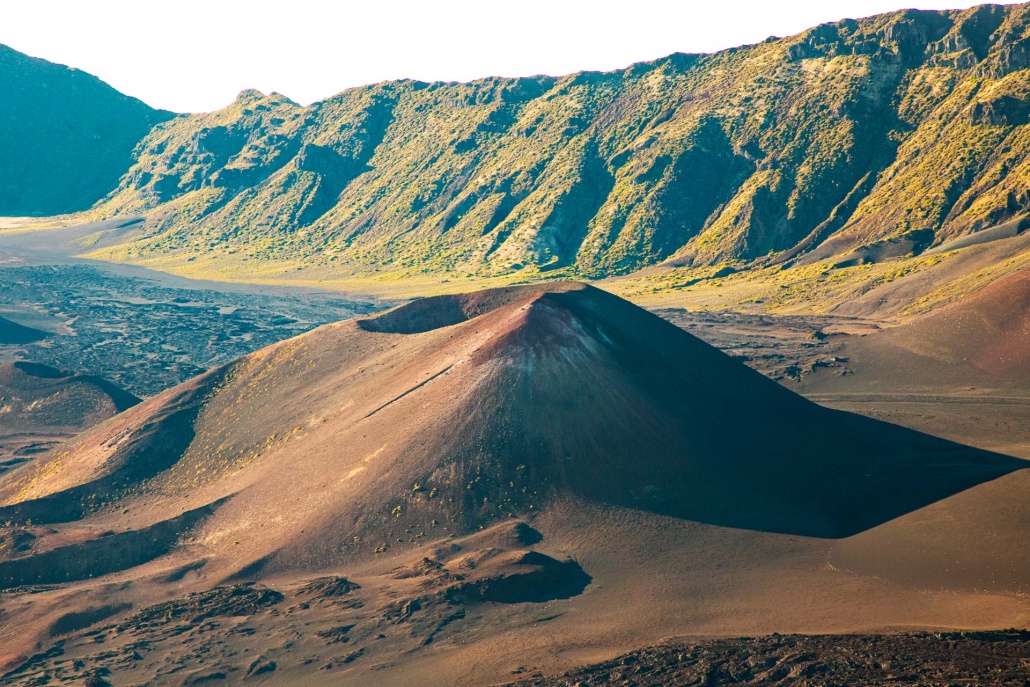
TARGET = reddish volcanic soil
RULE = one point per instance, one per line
(962, 373)
(467, 487)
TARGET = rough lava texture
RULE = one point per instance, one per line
(989, 659)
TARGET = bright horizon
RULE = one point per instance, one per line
(196, 55)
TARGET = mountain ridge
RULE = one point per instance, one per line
(65, 136)
(829, 143)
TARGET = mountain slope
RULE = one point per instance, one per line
(451, 453)
(40, 406)
(14, 333)
(885, 136)
(501, 401)
(65, 136)
(981, 341)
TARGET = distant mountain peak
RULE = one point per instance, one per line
(249, 94)
(65, 136)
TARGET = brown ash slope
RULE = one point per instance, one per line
(374, 443)
(40, 405)
(980, 342)
(466, 409)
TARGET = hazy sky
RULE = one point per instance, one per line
(196, 55)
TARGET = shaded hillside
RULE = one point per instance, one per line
(14, 333)
(65, 136)
(448, 455)
(864, 139)
(39, 406)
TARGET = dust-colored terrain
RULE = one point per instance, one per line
(507, 486)
(962, 372)
(519, 480)
(980, 343)
(41, 407)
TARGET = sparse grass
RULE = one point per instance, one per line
(404, 188)
(586, 176)
(815, 289)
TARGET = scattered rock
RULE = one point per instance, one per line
(261, 667)
(236, 600)
(336, 635)
(204, 678)
(989, 659)
(328, 587)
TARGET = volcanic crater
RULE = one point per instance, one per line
(527, 447)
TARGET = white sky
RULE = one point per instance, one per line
(196, 55)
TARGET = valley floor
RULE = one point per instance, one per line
(809, 355)
(144, 330)
(652, 578)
